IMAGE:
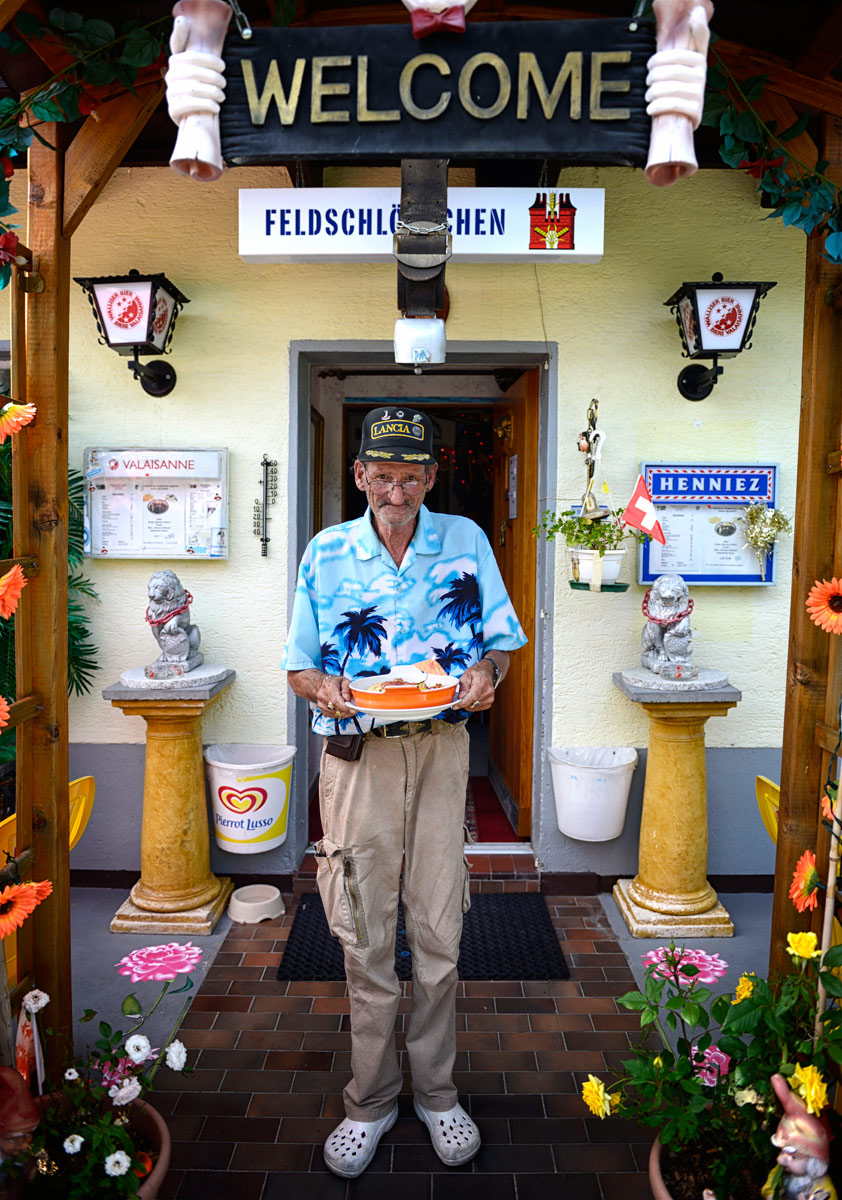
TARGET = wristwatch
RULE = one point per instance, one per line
(498, 674)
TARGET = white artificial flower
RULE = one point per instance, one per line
(138, 1048)
(70, 1074)
(176, 1055)
(125, 1092)
(117, 1163)
(35, 1000)
(73, 1144)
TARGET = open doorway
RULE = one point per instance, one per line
(486, 473)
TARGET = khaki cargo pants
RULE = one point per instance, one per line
(394, 823)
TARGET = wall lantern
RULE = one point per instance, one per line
(135, 314)
(715, 320)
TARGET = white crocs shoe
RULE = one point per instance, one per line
(454, 1136)
(351, 1146)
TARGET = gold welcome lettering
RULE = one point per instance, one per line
(273, 89)
(570, 71)
(598, 85)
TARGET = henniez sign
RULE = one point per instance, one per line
(548, 89)
(356, 224)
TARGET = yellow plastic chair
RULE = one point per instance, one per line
(81, 802)
(768, 801)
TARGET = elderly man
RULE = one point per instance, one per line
(398, 585)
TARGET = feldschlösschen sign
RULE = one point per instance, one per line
(547, 89)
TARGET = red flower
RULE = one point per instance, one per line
(8, 168)
(8, 246)
(760, 166)
(87, 104)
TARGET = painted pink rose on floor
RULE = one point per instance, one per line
(709, 967)
(160, 962)
(716, 1064)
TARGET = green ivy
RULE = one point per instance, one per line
(101, 57)
(810, 201)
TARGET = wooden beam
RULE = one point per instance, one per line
(823, 95)
(9, 9)
(28, 563)
(46, 516)
(773, 107)
(23, 710)
(818, 516)
(100, 146)
(824, 52)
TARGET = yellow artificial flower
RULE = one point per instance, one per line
(745, 987)
(811, 1087)
(596, 1097)
(802, 945)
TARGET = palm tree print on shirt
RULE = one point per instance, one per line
(450, 656)
(362, 632)
(463, 607)
(331, 663)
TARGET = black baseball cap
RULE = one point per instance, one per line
(397, 434)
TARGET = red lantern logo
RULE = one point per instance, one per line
(723, 316)
(125, 309)
(159, 322)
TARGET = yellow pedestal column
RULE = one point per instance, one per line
(176, 892)
(670, 896)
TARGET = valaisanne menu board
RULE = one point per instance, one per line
(148, 503)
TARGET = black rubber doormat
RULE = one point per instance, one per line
(504, 936)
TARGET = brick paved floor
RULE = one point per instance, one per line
(271, 1060)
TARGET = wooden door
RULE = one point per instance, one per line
(516, 447)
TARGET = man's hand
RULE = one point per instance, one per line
(332, 693)
(476, 689)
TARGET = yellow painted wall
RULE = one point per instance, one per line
(616, 342)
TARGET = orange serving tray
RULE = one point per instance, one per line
(440, 690)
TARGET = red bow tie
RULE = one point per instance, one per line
(451, 20)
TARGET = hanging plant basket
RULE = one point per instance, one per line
(590, 571)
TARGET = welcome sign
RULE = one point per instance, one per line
(548, 89)
(284, 225)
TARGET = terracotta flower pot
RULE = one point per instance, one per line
(660, 1191)
(152, 1125)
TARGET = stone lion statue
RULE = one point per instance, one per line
(667, 638)
(168, 615)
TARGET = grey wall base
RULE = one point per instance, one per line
(738, 843)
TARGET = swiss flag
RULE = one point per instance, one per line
(640, 512)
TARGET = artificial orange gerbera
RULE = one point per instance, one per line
(805, 882)
(13, 417)
(11, 586)
(4, 712)
(824, 604)
(17, 903)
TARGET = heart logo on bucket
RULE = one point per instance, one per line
(242, 802)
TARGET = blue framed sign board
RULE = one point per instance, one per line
(699, 506)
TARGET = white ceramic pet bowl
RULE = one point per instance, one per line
(257, 902)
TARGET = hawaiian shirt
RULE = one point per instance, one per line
(357, 613)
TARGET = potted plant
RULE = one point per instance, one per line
(706, 1087)
(587, 540)
(97, 1134)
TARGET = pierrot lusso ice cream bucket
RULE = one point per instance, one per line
(249, 787)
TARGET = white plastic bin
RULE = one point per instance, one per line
(591, 786)
(249, 788)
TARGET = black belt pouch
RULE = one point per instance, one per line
(348, 746)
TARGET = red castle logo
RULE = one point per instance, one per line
(551, 222)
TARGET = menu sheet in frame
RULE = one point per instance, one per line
(699, 507)
(147, 503)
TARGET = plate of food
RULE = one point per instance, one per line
(405, 693)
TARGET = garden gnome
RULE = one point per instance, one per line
(19, 1117)
(804, 1146)
(168, 615)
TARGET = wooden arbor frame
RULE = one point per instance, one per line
(63, 185)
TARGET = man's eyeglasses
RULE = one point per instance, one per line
(381, 485)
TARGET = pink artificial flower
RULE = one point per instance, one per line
(710, 967)
(716, 1063)
(160, 962)
(115, 1074)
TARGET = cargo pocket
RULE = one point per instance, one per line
(468, 840)
(336, 876)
